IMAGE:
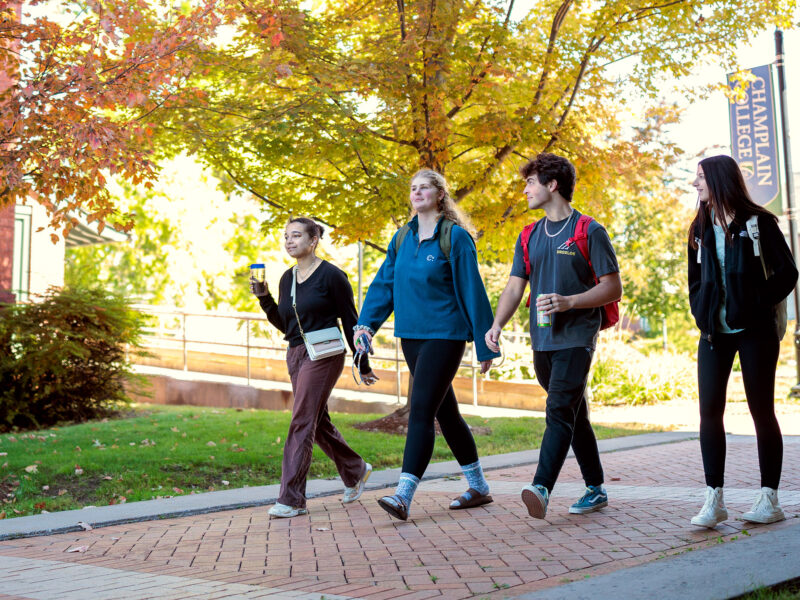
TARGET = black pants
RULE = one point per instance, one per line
(758, 356)
(433, 364)
(563, 374)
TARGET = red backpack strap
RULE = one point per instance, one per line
(525, 239)
(581, 239)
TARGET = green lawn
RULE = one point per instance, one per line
(160, 451)
(788, 590)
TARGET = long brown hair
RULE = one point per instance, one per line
(727, 195)
(446, 205)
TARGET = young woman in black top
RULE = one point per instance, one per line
(733, 297)
(323, 295)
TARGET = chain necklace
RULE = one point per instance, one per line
(308, 270)
(569, 218)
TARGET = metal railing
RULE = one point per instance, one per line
(233, 333)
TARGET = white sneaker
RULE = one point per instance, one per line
(713, 511)
(351, 494)
(766, 508)
(283, 511)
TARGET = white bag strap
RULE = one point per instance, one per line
(752, 232)
(294, 305)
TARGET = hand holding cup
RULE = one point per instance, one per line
(258, 284)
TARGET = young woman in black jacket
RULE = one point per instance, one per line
(733, 297)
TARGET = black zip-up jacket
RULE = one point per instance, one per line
(750, 300)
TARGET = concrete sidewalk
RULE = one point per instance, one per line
(641, 546)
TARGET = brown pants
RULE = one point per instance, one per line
(312, 383)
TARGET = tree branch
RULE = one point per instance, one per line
(284, 208)
(475, 80)
(558, 20)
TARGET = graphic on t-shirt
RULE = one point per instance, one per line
(565, 248)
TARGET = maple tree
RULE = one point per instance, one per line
(360, 95)
(80, 83)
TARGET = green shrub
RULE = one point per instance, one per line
(621, 374)
(64, 358)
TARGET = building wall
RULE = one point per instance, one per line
(7, 79)
(47, 258)
(6, 253)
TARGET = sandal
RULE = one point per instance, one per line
(395, 506)
(470, 499)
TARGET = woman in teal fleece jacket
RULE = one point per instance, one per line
(439, 304)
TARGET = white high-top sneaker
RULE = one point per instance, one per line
(713, 511)
(766, 508)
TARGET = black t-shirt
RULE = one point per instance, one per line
(560, 268)
(321, 299)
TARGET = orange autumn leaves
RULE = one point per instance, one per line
(79, 86)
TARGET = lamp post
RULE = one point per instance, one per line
(789, 184)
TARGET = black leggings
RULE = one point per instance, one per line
(433, 364)
(758, 355)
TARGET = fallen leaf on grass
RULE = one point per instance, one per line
(78, 549)
(85, 525)
(211, 443)
(32, 468)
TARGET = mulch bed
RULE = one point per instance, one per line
(397, 424)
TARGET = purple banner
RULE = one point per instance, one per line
(754, 138)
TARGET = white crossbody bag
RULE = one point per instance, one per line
(321, 343)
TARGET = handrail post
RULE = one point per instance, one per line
(185, 354)
(474, 377)
(247, 326)
(397, 368)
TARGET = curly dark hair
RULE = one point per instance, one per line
(548, 167)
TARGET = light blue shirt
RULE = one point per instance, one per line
(719, 238)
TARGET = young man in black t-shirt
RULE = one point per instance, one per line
(563, 285)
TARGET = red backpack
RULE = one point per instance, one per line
(610, 310)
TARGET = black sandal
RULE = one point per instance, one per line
(395, 506)
(470, 499)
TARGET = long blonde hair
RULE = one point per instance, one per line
(446, 205)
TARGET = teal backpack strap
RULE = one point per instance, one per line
(401, 235)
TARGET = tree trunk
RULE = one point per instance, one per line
(396, 422)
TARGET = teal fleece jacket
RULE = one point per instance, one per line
(431, 298)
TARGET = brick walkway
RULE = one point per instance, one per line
(358, 551)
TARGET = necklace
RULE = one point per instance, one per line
(569, 218)
(308, 270)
